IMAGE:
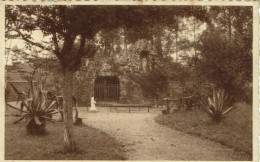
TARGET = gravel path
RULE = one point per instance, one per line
(144, 139)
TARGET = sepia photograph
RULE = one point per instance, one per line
(129, 82)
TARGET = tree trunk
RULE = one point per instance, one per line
(158, 41)
(194, 33)
(152, 48)
(70, 145)
(141, 63)
(125, 40)
(152, 42)
(229, 26)
(176, 45)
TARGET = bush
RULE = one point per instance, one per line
(38, 109)
(153, 83)
(225, 64)
(217, 105)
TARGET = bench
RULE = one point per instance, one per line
(129, 106)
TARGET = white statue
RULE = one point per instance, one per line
(93, 105)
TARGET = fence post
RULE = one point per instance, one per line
(168, 105)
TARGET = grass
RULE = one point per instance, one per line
(92, 143)
(235, 131)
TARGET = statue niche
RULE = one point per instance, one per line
(144, 60)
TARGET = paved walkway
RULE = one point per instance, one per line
(144, 139)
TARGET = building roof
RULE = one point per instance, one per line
(16, 72)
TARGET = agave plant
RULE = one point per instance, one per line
(39, 109)
(216, 106)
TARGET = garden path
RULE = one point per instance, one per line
(144, 139)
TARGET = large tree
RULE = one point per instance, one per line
(65, 26)
(225, 50)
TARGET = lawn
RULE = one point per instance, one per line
(92, 143)
(235, 131)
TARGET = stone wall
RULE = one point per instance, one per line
(115, 64)
(84, 88)
(130, 92)
(10, 94)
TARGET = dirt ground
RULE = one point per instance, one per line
(144, 139)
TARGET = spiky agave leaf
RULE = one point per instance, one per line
(37, 120)
(31, 86)
(21, 95)
(38, 107)
(56, 112)
(21, 118)
(228, 110)
(22, 106)
(48, 119)
(211, 109)
(29, 104)
(44, 100)
(215, 106)
(211, 103)
(213, 100)
(220, 100)
(38, 100)
(15, 89)
(15, 108)
(25, 104)
(204, 107)
(51, 106)
(28, 120)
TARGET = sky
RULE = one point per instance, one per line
(19, 44)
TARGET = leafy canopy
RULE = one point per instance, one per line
(63, 25)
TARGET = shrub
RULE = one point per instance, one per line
(153, 84)
(38, 109)
(217, 105)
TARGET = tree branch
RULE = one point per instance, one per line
(68, 43)
(33, 43)
(56, 45)
(82, 44)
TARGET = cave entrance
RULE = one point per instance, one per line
(107, 89)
